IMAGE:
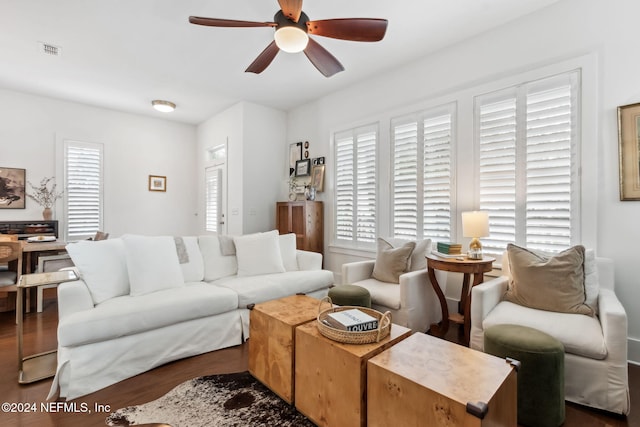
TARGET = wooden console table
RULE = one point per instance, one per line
(467, 266)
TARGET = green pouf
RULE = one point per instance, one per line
(541, 375)
(350, 295)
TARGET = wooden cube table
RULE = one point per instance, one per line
(272, 340)
(331, 377)
(428, 381)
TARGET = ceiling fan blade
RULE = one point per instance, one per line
(354, 29)
(216, 22)
(291, 9)
(264, 59)
(320, 57)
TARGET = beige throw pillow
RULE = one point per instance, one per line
(552, 283)
(392, 262)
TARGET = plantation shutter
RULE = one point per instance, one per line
(422, 175)
(529, 165)
(213, 197)
(83, 189)
(356, 184)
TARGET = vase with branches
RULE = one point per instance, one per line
(45, 195)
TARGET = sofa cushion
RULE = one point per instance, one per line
(216, 265)
(257, 289)
(553, 283)
(103, 267)
(258, 254)
(418, 256)
(288, 251)
(191, 261)
(127, 315)
(581, 335)
(392, 262)
(382, 293)
(152, 262)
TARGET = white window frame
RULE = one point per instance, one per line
(216, 161)
(69, 143)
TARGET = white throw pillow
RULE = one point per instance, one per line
(190, 258)
(288, 251)
(259, 254)
(216, 265)
(102, 266)
(591, 280)
(152, 263)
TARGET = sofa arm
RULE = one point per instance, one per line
(484, 297)
(356, 271)
(309, 260)
(73, 297)
(613, 319)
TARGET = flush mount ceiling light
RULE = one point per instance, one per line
(163, 106)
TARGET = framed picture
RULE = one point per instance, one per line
(303, 167)
(629, 151)
(317, 177)
(12, 188)
(157, 183)
(295, 154)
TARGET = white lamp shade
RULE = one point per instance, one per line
(291, 39)
(475, 224)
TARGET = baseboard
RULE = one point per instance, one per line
(633, 351)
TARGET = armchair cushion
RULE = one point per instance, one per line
(382, 293)
(392, 262)
(552, 283)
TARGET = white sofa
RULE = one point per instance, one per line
(145, 301)
(595, 346)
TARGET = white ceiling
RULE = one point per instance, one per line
(121, 54)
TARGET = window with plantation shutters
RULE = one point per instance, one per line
(356, 180)
(529, 164)
(422, 175)
(83, 176)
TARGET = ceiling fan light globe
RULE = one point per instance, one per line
(291, 39)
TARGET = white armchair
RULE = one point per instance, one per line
(413, 303)
(596, 372)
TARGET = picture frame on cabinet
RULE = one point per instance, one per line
(629, 151)
(317, 177)
(295, 154)
(303, 167)
(12, 188)
(157, 183)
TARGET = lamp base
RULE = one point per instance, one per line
(475, 249)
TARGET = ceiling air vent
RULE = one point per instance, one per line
(50, 49)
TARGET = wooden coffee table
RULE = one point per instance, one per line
(331, 377)
(428, 381)
(272, 340)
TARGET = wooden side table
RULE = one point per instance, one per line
(43, 365)
(467, 266)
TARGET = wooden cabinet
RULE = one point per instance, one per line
(305, 219)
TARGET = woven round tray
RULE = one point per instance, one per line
(349, 337)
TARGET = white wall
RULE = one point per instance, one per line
(134, 148)
(255, 138)
(601, 33)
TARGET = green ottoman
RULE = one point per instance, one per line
(541, 374)
(350, 295)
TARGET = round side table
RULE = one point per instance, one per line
(466, 266)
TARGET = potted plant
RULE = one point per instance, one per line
(45, 196)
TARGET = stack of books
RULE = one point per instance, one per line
(353, 320)
(450, 248)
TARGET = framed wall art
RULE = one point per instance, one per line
(12, 188)
(629, 151)
(303, 167)
(157, 183)
(295, 154)
(317, 177)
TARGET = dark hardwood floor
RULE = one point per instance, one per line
(40, 333)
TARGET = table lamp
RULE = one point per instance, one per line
(475, 224)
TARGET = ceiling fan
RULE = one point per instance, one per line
(293, 27)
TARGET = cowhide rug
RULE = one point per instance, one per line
(237, 400)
